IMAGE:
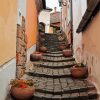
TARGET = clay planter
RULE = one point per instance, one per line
(79, 72)
(67, 53)
(22, 93)
(62, 46)
(43, 49)
(36, 56)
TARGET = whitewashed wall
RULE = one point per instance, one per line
(21, 10)
(79, 7)
(44, 17)
(7, 72)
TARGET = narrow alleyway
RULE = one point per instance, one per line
(52, 40)
(53, 78)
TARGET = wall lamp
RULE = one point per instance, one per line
(61, 2)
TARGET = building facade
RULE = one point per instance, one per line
(85, 22)
(8, 27)
(18, 30)
(44, 17)
(27, 31)
(89, 30)
(55, 20)
(66, 21)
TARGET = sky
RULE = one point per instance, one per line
(52, 4)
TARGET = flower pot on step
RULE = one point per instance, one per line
(79, 72)
(22, 89)
(43, 49)
(36, 56)
(67, 53)
(22, 93)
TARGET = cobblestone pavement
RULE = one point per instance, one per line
(54, 81)
(52, 77)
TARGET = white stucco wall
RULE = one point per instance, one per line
(79, 7)
(7, 72)
(44, 17)
(21, 10)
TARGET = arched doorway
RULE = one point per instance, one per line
(42, 27)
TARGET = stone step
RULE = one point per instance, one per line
(57, 59)
(67, 96)
(59, 88)
(63, 89)
(54, 65)
(49, 73)
(57, 65)
(53, 55)
(57, 52)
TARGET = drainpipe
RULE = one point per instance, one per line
(71, 21)
(61, 19)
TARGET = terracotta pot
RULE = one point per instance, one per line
(22, 93)
(79, 72)
(43, 49)
(62, 46)
(67, 53)
(35, 56)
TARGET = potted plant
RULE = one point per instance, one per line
(79, 70)
(67, 52)
(22, 89)
(36, 56)
(43, 49)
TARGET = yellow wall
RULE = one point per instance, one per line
(91, 49)
(31, 22)
(8, 22)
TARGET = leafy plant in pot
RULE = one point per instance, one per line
(79, 70)
(22, 89)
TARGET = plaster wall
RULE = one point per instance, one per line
(31, 23)
(91, 49)
(79, 7)
(8, 27)
(44, 17)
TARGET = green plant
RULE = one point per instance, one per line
(81, 64)
(21, 83)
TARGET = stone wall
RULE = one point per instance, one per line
(21, 49)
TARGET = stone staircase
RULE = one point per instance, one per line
(54, 81)
(52, 42)
(53, 78)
